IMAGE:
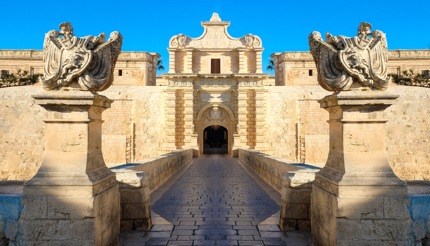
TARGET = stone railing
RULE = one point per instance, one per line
(137, 181)
(292, 180)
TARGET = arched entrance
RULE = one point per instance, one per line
(215, 126)
(215, 140)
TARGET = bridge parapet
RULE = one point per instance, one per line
(293, 180)
(137, 180)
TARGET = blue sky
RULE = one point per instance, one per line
(283, 25)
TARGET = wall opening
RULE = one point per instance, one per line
(215, 140)
(215, 65)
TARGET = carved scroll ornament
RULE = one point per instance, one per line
(178, 41)
(88, 61)
(252, 41)
(344, 63)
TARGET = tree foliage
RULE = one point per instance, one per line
(21, 77)
(271, 65)
(409, 77)
(160, 64)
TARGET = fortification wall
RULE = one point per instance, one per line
(132, 130)
(132, 68)
(408, 128)
(298, 68)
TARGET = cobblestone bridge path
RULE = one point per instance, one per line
(215, 202)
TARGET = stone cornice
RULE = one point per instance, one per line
(38, 55)
(392, 55)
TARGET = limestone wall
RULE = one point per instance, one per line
(132, 68)
(21, 133)
(133, 128)
(296, 126)
(298, 68)
(408, 128)
(134, 125)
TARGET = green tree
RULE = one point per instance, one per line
(160, 64)
(271, 66)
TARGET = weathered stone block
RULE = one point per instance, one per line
(135, 211)
(395, 208)
(419, 229)
(70, 207)
(35, 207)
(296, 211)
(348, 229)
(11, 229)
(127, 225)
(359, 208)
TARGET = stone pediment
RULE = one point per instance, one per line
(215, 36)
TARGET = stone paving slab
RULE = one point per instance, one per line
(215, 202)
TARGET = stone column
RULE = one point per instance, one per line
(74, 198)
(356, 197)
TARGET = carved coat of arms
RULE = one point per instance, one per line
(215, 114)
(88, 61)
(343, 62)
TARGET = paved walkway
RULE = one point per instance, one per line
(215, 202)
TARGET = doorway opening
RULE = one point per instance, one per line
(215, 140)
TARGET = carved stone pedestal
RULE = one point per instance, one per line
(74, 198)
(356, 197)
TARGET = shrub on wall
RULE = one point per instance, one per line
(21, 77)
(412, 79)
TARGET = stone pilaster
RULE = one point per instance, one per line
(258, 60)
(170, 113)
(190, 142)
(242, 61)
(240, 137)
(260, 120)
(172, 61)
(74, 197)
(356, 197)
(188, 61)
(251, 119)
